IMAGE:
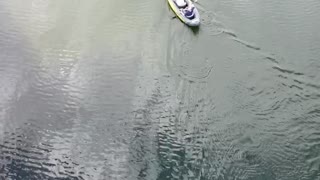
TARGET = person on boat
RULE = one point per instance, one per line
(189, 12)
(186, 8)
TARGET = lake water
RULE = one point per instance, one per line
(122, 90)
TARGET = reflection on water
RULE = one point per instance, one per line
(121, 90)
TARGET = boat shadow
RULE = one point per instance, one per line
(195, 29)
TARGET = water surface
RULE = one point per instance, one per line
(122, 90)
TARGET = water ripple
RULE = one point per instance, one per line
(117, 90)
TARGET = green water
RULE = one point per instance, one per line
(112, 90)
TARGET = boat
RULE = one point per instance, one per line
(182, 7)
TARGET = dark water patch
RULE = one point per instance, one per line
(25, 157)
(247, 44)
(287, 71)
(230, 33)
(272, 59)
